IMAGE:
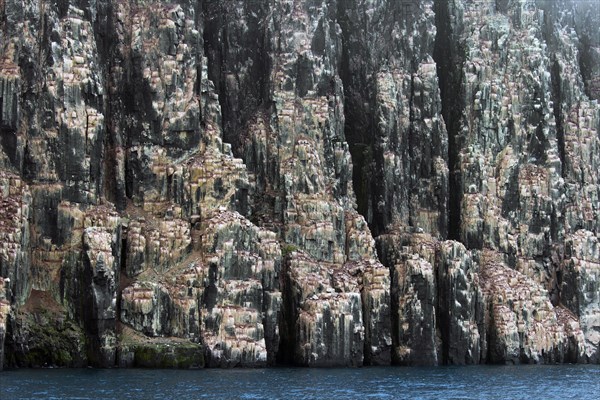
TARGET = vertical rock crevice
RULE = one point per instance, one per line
(556, 110)
(449, 58)
(359, 127)
(236, 48)
(114, 166)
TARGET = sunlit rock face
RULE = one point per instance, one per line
(307, 182)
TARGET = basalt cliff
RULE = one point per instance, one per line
(248, 183)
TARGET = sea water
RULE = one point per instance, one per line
(481, 382)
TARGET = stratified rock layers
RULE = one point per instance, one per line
(309, 182)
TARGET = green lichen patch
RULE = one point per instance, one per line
(164, 355)
(43, 340)
(137, 350)
(287, 249)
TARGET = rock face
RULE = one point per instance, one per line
(308, 182)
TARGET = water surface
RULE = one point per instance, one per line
(482, 382)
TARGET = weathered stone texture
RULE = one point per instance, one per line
(313, 182)
(580, 292)
(461, 312)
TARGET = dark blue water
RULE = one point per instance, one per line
(485, 382)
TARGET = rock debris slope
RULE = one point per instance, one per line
(232, 183)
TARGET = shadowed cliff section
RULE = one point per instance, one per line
(360, 119)
(449, 57)
(393, 126)
(236, 47)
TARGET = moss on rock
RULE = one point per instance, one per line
(45, 341)
(162, 355)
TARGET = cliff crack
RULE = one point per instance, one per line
(449, 59)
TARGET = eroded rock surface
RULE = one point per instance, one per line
(313, 182)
